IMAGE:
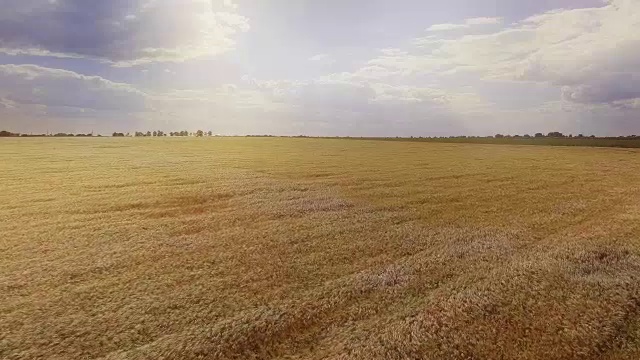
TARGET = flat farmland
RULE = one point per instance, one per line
(280, 248)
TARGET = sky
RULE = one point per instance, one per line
(322, 68)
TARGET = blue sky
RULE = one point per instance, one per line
(357, 68)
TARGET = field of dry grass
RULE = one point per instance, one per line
(236, 248)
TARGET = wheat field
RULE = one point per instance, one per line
(275, 248)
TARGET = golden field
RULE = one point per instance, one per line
(274, 248)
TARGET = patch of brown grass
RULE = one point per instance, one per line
(317, 249)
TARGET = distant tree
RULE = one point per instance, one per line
(539, 135)
(117, 134)
(527, 136)
(210, 133)
(498, 136)
(148, 133)
(4, 133)
(199, 133)
(155, 133)
(555, 134)
(580, 135)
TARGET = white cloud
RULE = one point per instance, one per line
(590, 54)
(466, 25)
(323, 59)
(35, 98)
(35, 85)
(122, 32)
(446, 27)
(484, 21)
(349, 104)
(579, 68)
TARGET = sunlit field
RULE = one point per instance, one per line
(270, 248)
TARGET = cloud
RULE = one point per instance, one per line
(466, 25)
(323, 59)
(560, 70)
(349, 104)
(122, 32)
(484, 21)
(589, 54)
(35, 85)
(446, 27)
(606, 89)
(227, 109)
(344, 91)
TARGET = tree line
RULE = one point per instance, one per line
(159, 133)
(201, 133)
(554, 134)
(4, 133)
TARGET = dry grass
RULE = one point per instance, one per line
(317, 249)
